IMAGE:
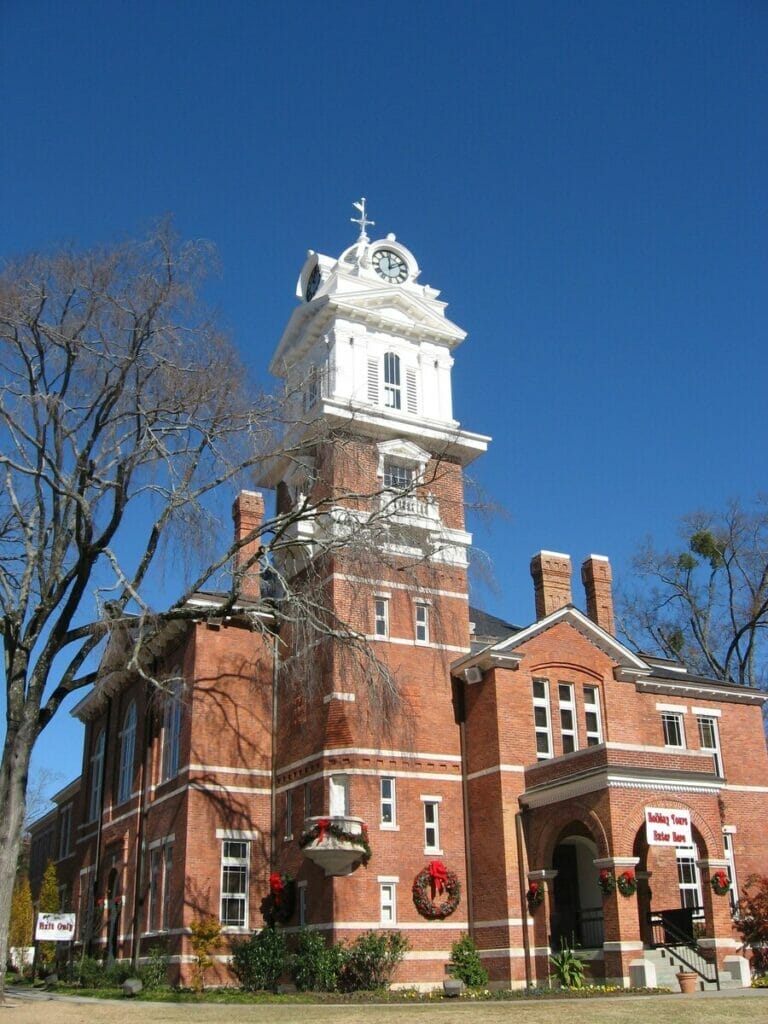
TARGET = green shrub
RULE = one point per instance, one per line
(91, 973)
(568, 968)
(154, 973)
(466, 965)
(315, 965)
(116, 973)
(370, 961)
(260, 960)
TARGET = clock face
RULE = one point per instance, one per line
(390, 265)
(313, 283)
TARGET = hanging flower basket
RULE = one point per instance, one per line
(279, 904)
(627, 883)
(607, 882)
(720, 883)
(433, 881)
(534, 896)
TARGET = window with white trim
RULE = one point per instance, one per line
(96, 773)
(709, 740)
(235, 870)
(542, 722)
(288, 818)
(172, 731)
(338, 796)
(568, 733)
(730, 856)
(388, 805)
(592, 720)
(387, 903)
(421, 616)
(127, 754)
(431, 825)
(381, 617)
(689, 879)
(167, 865)
(672, 723)
(392, 391)
(397, 476)
(85, 903)
(159, 885)
(65, 830)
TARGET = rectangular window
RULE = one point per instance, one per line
(338, 796)
(568, 731)
(381, 617)
(592, 720)
(167, 865)
(235, 862)
(421, 612)
(153, 913)
(709, 741)
(65, 831)
(97, 777)
(172, 731)
(431, 825)
(689, 880)
(392, 399)
(387, 903)
(86, 907)
(541, 719)
(288, 819)
(398, 477)
(672, 723)
(731, 858)
(388, 819)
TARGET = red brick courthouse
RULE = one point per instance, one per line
(524, 769)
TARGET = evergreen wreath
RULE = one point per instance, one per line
(325, 827)
(627, 883)
(534, 896)
(720, 883)
(607, 882)
(280, 902)
(436, 880)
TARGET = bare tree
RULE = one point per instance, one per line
(707, 603)
(126, 425)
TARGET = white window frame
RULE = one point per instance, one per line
(421, 622)
(388, 802)
(288, 818)
(65, 830)
(545, 729)
(568, 707)
(393, 392)
(388, 901)
(172, 732)
(730, 856)
(673, 720)
(338, 795)
(97, 776)
(381, 617)
(398, 475)
(127, 754)
(690, 890)
(159, 867)
(431, 811)
(593, 736)
(714, 749)
(241, 863)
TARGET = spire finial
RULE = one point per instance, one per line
(362, 220)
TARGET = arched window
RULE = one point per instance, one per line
(127, 753)
(97, 771)
(392, 380)
(171, 731)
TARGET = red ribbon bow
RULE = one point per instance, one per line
(322, 827)
(276, 886)
(438, 876)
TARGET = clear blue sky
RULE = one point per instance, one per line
(586, 182)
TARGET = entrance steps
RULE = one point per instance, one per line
(667, 965)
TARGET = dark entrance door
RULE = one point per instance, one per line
(565, 912)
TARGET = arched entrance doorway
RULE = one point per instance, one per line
(577, 905)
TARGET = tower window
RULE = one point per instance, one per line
(396, 476)
(392, 392)
(381, 617)
(541, 719)
(421, 612)
(387, 802)
(431, 825)
(235, 864)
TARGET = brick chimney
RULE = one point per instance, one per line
(551, 574)
(248, 513)
(596, 577)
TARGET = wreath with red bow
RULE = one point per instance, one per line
(627, 883)
(535, 896)
(720, 883)
(280, 903)
(433, 881)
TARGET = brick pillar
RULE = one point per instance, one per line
(596, 577)
(248, 514)
(622, 941)
(539, 934)
(717, 911)
(551, 574)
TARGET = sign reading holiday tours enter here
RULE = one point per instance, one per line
(55, 927)
(668, 826)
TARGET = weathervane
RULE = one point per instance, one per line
(362, 220)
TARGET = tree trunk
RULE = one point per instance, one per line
(13, 785)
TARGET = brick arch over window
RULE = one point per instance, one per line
(574, 819)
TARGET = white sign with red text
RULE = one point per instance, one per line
(668, 826)
(55, 927)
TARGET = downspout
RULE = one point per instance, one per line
(143, 811)
(467, 830)
(273, 782)
(522, 881)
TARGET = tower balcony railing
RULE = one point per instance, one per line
(410, 506)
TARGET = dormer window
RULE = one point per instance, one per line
(392, 380)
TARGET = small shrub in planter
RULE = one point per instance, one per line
(260, 960)
(465, 963)
(370, 961)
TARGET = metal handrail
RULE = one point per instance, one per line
(684, 947)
